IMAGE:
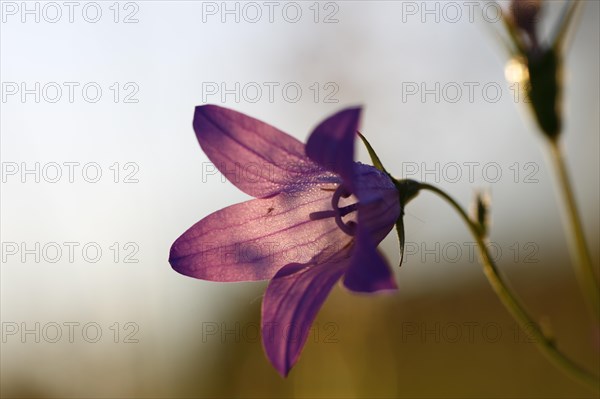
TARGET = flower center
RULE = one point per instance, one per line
(338, 212)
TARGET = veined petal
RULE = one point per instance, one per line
(256, 157)
(331, 144)
(291, 303)
(253, 240)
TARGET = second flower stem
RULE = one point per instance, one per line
(546, 344)
(583, 260)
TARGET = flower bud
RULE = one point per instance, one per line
(480, 212)
(525, 14)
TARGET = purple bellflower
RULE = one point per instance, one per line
(317, 218)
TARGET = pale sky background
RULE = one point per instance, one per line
(370, 54)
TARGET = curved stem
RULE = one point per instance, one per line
(584, 266)
(545, 344)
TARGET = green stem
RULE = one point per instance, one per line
(545, 344)
(584, 267)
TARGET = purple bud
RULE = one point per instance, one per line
(525, 14)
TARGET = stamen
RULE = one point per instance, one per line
(348, 209)
(337, 212)
(339, 193)
(350, 227)
(322, 215)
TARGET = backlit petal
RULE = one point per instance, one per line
(252, 240)
(256, 157)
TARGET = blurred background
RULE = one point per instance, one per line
(101, 172)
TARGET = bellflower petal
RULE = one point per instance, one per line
(379, 202)
(331, 144)
(377, 214)
(291, 303)
(257, 158)
(252, 240)
(368, 271)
